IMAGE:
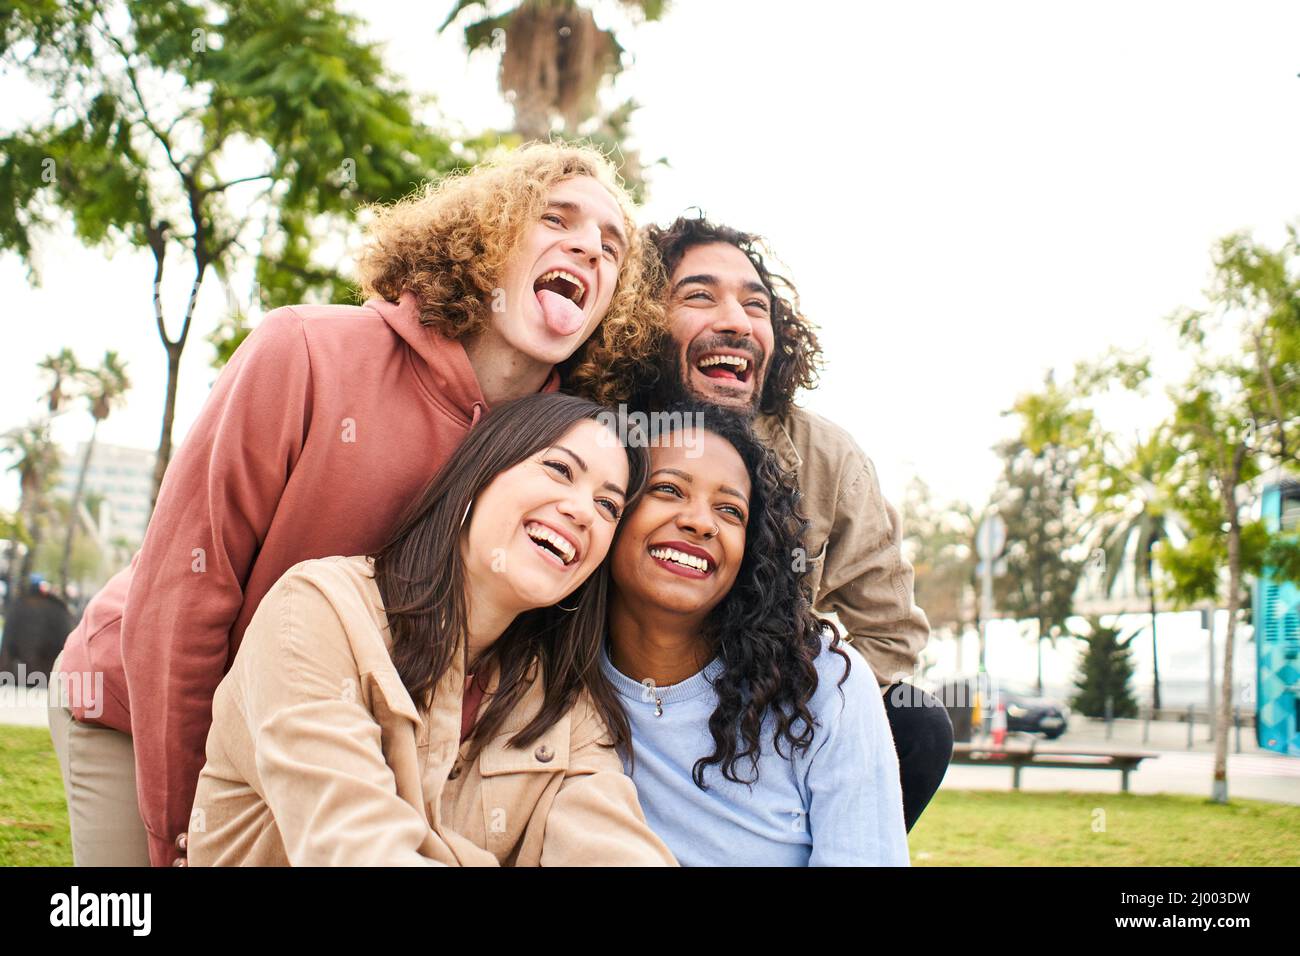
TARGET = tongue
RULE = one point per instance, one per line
(563, 317)
(718, 371)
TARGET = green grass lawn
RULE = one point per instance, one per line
(981, 828)
(33, 813)
(959, 828)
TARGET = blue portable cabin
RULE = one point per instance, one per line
(1277, 633)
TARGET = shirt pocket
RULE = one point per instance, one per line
(515, 782)
(547, 754)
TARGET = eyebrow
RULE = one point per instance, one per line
(711, 280)
(608, 226)
(583, 465)
(725, 489)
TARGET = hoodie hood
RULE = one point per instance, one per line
(442, 363)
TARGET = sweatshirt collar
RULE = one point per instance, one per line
(694, 686)
(445, 368)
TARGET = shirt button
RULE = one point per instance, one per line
(544, 754)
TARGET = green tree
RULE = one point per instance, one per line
(1131, 517)
(14, 531)
(86, 560)
(1129, 510)
(217, 132)
(1236, 418)
(1037, 498)
(63, 370)
(940, 545)
(36, 461)
(105, 389)
(1105, 671)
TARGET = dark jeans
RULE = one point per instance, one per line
(923, 739)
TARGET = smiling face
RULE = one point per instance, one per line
(560, 280)
(681, 547)
(540, 528)
(721, 319)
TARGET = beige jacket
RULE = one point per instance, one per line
(318, 755)
(856, 568)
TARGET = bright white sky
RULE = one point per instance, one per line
(966, 195)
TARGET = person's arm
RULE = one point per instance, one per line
(596, 819)
(855, 798)
(317, 746)
(866, 579)
(213, 511)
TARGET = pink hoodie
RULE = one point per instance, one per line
(325, 424)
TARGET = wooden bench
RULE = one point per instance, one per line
(1018, 755)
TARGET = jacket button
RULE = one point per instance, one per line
(544, 754)
(455, 772)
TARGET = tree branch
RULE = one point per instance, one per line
(139, 96)
(221, 187)
(157, 236)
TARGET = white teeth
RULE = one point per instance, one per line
(740, 364)
(678, 557)
(580, 287)
(540, 532)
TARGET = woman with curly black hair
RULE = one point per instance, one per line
(755, 739)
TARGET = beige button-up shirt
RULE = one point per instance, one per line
(855, 564)
(317, 755)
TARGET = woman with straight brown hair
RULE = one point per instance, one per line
(440, 701)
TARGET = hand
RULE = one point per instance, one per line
(182, 844)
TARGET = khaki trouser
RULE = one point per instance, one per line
(98, 766)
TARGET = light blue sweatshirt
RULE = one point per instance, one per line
(839, 803)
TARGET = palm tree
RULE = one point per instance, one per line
(1130, 519)
(36, 460)
(554, 61)
(63, 368)
(106, 388)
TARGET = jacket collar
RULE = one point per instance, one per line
(775, 436)
(445, 368)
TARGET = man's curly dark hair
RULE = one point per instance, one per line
(796, 353)
(764, 630)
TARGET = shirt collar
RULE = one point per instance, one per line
(693, 686)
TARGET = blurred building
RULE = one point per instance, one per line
(123, 478)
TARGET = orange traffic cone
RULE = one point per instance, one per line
(1000, 725)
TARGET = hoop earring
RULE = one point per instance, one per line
(570, 609)
(466, 514)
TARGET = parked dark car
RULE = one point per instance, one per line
(1030, 714)
(1026, 712)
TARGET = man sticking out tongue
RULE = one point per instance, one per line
(561, 295)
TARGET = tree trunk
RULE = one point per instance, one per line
(169, 415)
(72, 512)
(10, 572)
(1155, 660)
(1220, 791)
(532, 118)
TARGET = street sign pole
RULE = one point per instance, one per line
(990, 539)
